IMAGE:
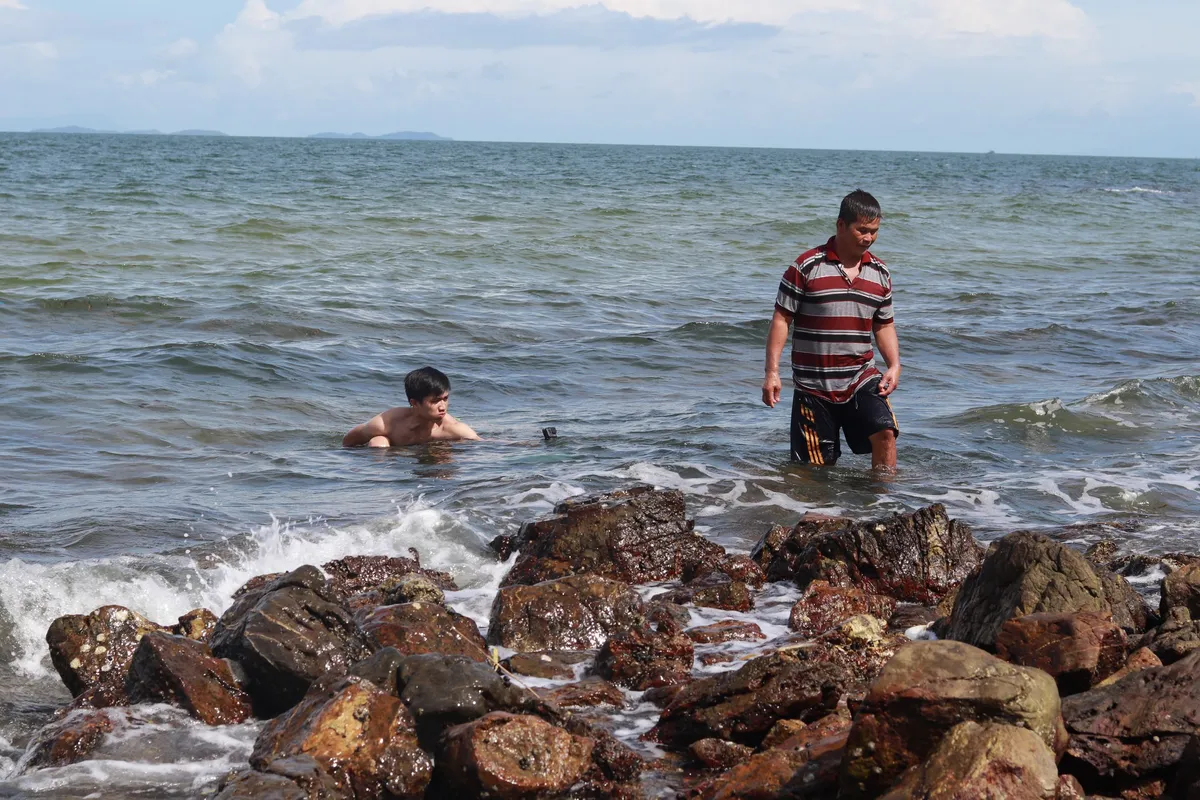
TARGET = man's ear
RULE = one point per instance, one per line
(841, 226)
(413, 403)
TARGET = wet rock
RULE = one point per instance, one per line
(1177, 636)
(987, 760)
(67, 741)
(822, 607)
(734, 566)
(361, 736)
(662, 696)
(1128, 607)
(792, 734)
(358, 574)
(915, 558)
(412, 588)
(636, 535)
(574, 613)
(584, 694)
(613, 762)
(742, 706)
(726, 630)
(719, 754)
(1135, 730)
(1069, 788)
(414, 628)
(860, 645)
(809, 771)
(708, 659)
(782, 730)
(910, 616)
(511, 756)
(1024, 573)
(197, 624)
(926, 689)
(380, 668)
(295, 778)
(641, 659)
(94, 650)
(778, 552)
(553, 664)
(1140, 659)
(286, 635)
(442, 691)
(666, 616)
(1181, 588)
(504, 546)
(184, 673)
(715, 590)
(1077, 650)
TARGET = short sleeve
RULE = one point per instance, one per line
(885, 314)
(791, 291)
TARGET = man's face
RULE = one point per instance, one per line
(432, 408)
(860, 234)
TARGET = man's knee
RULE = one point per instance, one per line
(379, 441)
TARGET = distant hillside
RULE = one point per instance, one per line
(78, 129)
(418, 135)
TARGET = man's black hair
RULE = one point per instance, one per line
(859, 205)
(425, 382)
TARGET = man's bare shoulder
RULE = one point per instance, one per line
(457, 429)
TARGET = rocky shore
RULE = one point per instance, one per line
(919, 664)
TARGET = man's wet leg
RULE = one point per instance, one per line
(883, 450)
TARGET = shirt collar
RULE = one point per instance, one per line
(831, 253)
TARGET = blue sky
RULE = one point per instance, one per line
(1030, 76)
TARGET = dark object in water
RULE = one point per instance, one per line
(549, 433)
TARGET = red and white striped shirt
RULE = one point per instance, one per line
(833, 319)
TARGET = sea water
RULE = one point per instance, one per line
(188, 326)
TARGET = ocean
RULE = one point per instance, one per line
(190, 325)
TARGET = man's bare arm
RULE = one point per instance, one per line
(363, 434)
(889, 348)
(776, 338)
(461, 430)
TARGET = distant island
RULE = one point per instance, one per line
(424, 136)
(78, 129)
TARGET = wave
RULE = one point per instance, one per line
(136, 306)
(1138, 190)
(1173, 395)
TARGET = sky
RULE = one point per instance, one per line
(1091, 77)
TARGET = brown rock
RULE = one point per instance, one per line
(983, 761)
(726, 630)
(553, 664)
(794, 735)
(860, 645)
(1069, 788)
(95, 650)
(585, 693)
(197, 624)
(641, 659)
(667, 617)
(778, 552)
(734, 566)
(743, 706)
(823, 607)
(184, 673)
(574, 613)
(295, 778)
(285, 635)
(506, 756)
(1135, 730)
(926, 689)
(781, 731)
(68, 740)
(414, 628)
(411, 588)
(363, 737)
(1181, 588)
(1177, 636)
(915, 558)
(715, 590)
(805, 772)
(718, 753)
(662, 696)
(1024, 573)
(357, 574)
(1077, 650)
(708, 659)
(1140, 659)
(910, 616)
(636, 535)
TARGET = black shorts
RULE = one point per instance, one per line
(816, 423)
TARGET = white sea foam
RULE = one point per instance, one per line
(1137, 190)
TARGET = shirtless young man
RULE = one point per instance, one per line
(424, 420)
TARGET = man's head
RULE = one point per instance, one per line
(857, 225)
(428, 392)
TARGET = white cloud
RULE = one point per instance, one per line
(147, 77)
(13, 4)
(254, 41)
(181, 48)
(1055, 19)
(1190, 89)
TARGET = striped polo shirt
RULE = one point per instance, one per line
(832, 321)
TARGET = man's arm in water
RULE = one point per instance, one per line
(776, 338)
(372, 432)
(460, 429)
(889, 348)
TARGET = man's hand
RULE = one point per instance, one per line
(889, 381)
(771, 389)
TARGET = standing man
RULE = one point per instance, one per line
(838, 295)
